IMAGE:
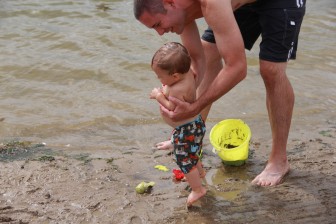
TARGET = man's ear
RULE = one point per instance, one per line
(170, 3)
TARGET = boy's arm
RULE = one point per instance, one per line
(162, 99)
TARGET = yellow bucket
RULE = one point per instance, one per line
(230, 139)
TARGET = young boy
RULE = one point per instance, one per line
(171, 63)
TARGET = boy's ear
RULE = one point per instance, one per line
(176, 76)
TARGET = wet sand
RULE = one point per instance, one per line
(58, 186)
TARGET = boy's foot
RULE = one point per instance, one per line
(166, 145)
(194, 196)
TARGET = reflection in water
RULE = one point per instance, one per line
(228, 182)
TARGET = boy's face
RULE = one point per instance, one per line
(173, 21)
(164, 76)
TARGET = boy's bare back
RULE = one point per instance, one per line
(184, 90)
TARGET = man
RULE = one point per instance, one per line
(278, 22)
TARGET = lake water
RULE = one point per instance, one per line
(77, 77)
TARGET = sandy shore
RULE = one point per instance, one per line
(50, 186)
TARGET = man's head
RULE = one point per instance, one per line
(151, 6)
(161, 15)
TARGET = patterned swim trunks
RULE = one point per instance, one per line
(187, 140)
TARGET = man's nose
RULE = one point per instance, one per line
(160, 31)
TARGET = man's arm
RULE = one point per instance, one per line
(219, 16)
(238, 3)
(191, 40)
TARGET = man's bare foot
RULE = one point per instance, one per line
(195, 195)
(166, 145)
(271, 175)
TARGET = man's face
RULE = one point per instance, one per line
(173, 21)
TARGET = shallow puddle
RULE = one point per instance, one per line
(228, 182)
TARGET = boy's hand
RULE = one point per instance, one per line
(154, 93)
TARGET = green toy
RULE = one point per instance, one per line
(144, 187)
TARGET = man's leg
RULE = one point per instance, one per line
(213, 66)
(280, 103)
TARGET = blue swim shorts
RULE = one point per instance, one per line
(187, 140)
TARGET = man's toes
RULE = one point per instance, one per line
(268, 183)
(256, 180)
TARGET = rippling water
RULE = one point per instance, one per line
(73, 74)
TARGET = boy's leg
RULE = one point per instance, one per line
(197, 190)
(200, 169)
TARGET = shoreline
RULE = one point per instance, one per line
(57, 187)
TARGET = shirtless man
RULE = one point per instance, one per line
(235, 24)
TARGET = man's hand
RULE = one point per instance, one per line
(182, 110)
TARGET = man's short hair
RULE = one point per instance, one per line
(151, 6)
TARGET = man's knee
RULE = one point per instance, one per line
(272, 71)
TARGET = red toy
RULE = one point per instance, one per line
(178, 174)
